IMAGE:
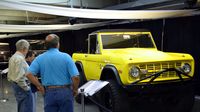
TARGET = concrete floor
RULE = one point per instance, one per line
(10, 105)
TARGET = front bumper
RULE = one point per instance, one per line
(160, 87)
(152, 86)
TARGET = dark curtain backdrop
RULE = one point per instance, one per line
(180, 35)
(183, 35)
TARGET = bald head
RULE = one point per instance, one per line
(52, 41)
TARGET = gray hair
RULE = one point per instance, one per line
(22, 44)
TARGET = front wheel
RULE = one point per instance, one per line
(113, 97)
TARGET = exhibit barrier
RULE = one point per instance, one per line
(2, 97)
(82, 100)
(89, 89)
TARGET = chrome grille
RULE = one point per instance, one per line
(155, 67)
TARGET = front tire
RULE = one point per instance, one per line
(113, 97)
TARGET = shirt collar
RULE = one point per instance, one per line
(19, 53)
(53, 49)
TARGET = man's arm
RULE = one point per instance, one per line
(74, 74)
(75, 83)
(34, 69)
(35, 82)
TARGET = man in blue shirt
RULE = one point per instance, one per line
(59, 77)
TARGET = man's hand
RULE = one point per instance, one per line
(75, 93)
(35, 82)
(75, 84)
(41, 89)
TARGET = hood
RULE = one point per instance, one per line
(144, 55)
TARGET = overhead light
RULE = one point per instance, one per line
(3, 43)
(1, 52)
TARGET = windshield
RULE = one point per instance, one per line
(112, 41)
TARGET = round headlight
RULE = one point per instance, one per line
(186, 68)
(134, 71)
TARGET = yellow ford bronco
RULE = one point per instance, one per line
(139, 75)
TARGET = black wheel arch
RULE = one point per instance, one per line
(110, 72)
(79, 66)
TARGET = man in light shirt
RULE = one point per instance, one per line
(17, 70)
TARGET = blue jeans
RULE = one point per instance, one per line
(23, 98)
(34, 95)
(58, 100)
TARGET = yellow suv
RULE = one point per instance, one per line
(136, 69)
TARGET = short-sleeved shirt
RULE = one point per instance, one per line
(54, 67)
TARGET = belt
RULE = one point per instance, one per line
(60, 86)
(17, 82)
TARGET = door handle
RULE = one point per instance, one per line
(106, 61)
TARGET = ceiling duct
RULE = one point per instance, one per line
(191, 3)
(156, 4)
(94, 13)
